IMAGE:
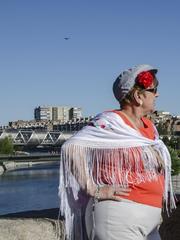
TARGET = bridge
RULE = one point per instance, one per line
(36, 137)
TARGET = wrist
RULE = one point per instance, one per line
(97, 193)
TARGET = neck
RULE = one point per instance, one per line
(135, 115)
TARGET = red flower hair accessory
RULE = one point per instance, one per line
(145, 79)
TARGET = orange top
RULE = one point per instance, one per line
(149, 193)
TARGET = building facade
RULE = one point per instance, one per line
(42, 113)
(75, 113)
(57, 113)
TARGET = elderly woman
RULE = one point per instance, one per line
(116, 173)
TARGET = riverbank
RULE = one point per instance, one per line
(12, 162)
(9, 166)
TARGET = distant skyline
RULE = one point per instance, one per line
(70, 52)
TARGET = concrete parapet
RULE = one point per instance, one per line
(43, 225)
(29, 229)
(9, 165)
(1, 170)
(33, 225)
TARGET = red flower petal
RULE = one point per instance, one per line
(145, 79)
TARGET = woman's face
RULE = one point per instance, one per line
(148, 98)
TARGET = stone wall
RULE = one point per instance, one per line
(1, 170)
(32, 225)
(43, 225)
(30, 229)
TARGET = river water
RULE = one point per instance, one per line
(26, 189)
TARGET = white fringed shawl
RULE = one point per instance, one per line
(114, 143)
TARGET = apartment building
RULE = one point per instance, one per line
(57, 113)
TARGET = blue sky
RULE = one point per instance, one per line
(39, 67)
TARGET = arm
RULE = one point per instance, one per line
(110, 192)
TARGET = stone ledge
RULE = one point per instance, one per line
(44, 225)
(32, 225)
(30, 229)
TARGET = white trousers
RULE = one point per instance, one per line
(125, 220)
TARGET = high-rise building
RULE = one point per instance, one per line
(75, 113)
(42, 113)
(57, 113)
(63, 113)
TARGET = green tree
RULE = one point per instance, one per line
(175, 161)
(166, 140)
(173, 142)
(178, 143)
(6, 146)
(162, 129)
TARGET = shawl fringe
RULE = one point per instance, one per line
(83, 158)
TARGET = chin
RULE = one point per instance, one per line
(150, 111)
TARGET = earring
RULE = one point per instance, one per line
(140, 102)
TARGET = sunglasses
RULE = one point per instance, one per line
(153, 90)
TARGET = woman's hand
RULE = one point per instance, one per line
(108, 192)
(113, 193)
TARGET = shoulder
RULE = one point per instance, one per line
(109, 115)
(106, 119)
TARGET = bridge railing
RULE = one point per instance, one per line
(21, 137)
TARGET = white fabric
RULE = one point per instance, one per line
(124, 220)
(109, 141)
